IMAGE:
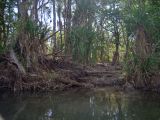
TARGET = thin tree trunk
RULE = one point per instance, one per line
(68, 28)
(34, 11)
(60, 29)
(18, 6)
(2, 22)
(127, 48)
(65, 19)
(115, 59)
(54, 25)
(60, 25)
(117, 37)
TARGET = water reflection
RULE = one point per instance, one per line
(100, 105)
(1, 118)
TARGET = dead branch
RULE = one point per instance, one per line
(43, 5)
(51, 35)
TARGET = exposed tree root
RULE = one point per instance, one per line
(56, 75)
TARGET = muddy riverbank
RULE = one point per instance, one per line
(58, 75)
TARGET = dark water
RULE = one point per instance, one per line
(81, 105)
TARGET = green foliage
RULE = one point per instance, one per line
(146, 14)
(32, 29)
(83, 44)
(93, 27)
(2, 48)
(148, 66)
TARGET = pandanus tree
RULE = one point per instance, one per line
(30, 32)
(141, 25)
(83, 34)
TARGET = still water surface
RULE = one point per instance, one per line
(81, 105)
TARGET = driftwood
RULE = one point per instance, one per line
(101, 72)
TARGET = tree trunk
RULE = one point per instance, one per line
(16, 61)
(142, 45)
(68, 28)
(34, 12)
(143, 51)
(2, 22)
(54, 25)
(18, 6)
(115, 59)
(127, 48)
(23, 37)
(60, 25)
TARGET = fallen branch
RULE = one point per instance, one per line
(63, 56)
(51, 35)
(54, 53)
